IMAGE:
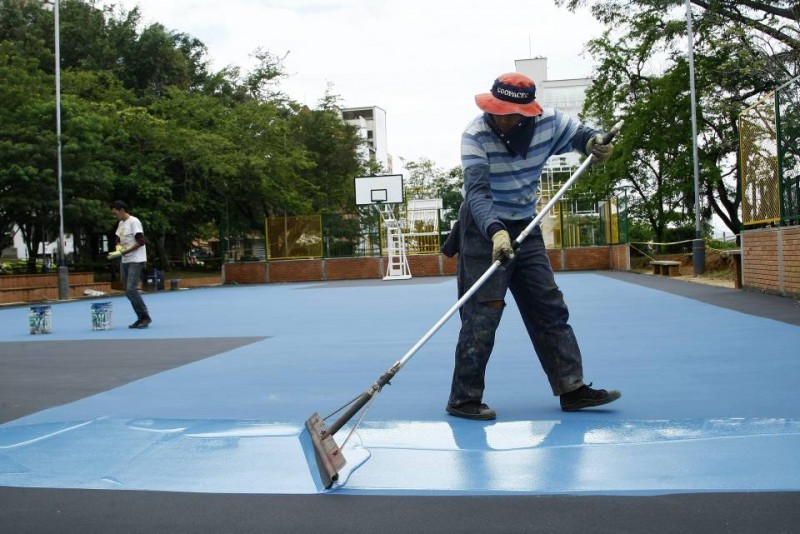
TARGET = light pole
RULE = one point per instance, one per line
(63, 270)
(698, 245)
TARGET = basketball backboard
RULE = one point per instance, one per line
(386, 189)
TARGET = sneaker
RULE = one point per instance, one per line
(472, 410)
(586, 397)
(135, 324)
(144, 322)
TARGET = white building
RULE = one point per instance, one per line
(567, 96)
(19, 251)
(371, 125)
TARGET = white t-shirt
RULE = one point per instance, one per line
(126, 231)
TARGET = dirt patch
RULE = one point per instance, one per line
(718, 271)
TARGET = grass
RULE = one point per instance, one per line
(718, 267)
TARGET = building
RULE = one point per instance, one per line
(565, 95)
(19, 251)
(371, 125)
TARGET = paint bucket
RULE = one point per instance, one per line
(40, 319)
(101, 316)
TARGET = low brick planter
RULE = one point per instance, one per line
(770, 260)
(603, 258)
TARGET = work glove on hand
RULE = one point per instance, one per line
(501, 247)
(600, 151)
(116, 253)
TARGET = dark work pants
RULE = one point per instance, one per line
(540, 302)
(131, 275)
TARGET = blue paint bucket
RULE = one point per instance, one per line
(40, 319)
(101, 316)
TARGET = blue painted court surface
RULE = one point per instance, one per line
(709, 397)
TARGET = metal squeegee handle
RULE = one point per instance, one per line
(517, 242)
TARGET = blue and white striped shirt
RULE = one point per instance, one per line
(500, 185)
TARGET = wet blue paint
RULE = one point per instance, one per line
(708, 402)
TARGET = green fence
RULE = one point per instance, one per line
(581, 221)
(351, 235)
(769, 133)
(573, 222)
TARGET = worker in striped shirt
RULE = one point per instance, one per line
(503, 152)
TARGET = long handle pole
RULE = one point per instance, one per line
(518, 241)
(496, 265)
(384, 379)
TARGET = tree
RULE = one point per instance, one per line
(426, 180)
(776, 19)
(332, 146)
(144, 120)
(27, 145)
(736, 60)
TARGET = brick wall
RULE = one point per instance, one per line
(352, 268)
(19, 281)
(571, 259)
(621, 257)
(556, 257)
(448, 265)
(588, 259)
(251, 272)
(426, 264)
(791, 260)
(295, 271)
(771, 260)
(16, 288)
(616, 257)
(203, 281)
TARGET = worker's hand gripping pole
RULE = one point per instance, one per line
(546, 209)
(516, 243)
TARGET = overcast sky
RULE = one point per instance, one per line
(420, 60)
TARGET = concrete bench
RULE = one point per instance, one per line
(666, 268)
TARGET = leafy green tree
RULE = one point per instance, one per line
(88, 172)
(332, 146)
(426, 180)
(777, 20)
(652, 163)
(145, 120)
(193, 158)
(737, 58)
(27, 146)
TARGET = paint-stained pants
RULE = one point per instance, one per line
(540, 302)
(131, 275)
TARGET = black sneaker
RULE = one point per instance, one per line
(144, 322)
(472, 410)
(135, 324)
(586, 397)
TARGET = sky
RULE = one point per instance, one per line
(422, 61)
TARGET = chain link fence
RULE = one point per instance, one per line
(582, 221)
(576, 222)
(769, 135)
(294, 237)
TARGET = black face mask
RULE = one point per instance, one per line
(518, 140)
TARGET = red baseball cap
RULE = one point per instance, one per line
(511, 93)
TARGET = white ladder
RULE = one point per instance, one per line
(397, 266)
